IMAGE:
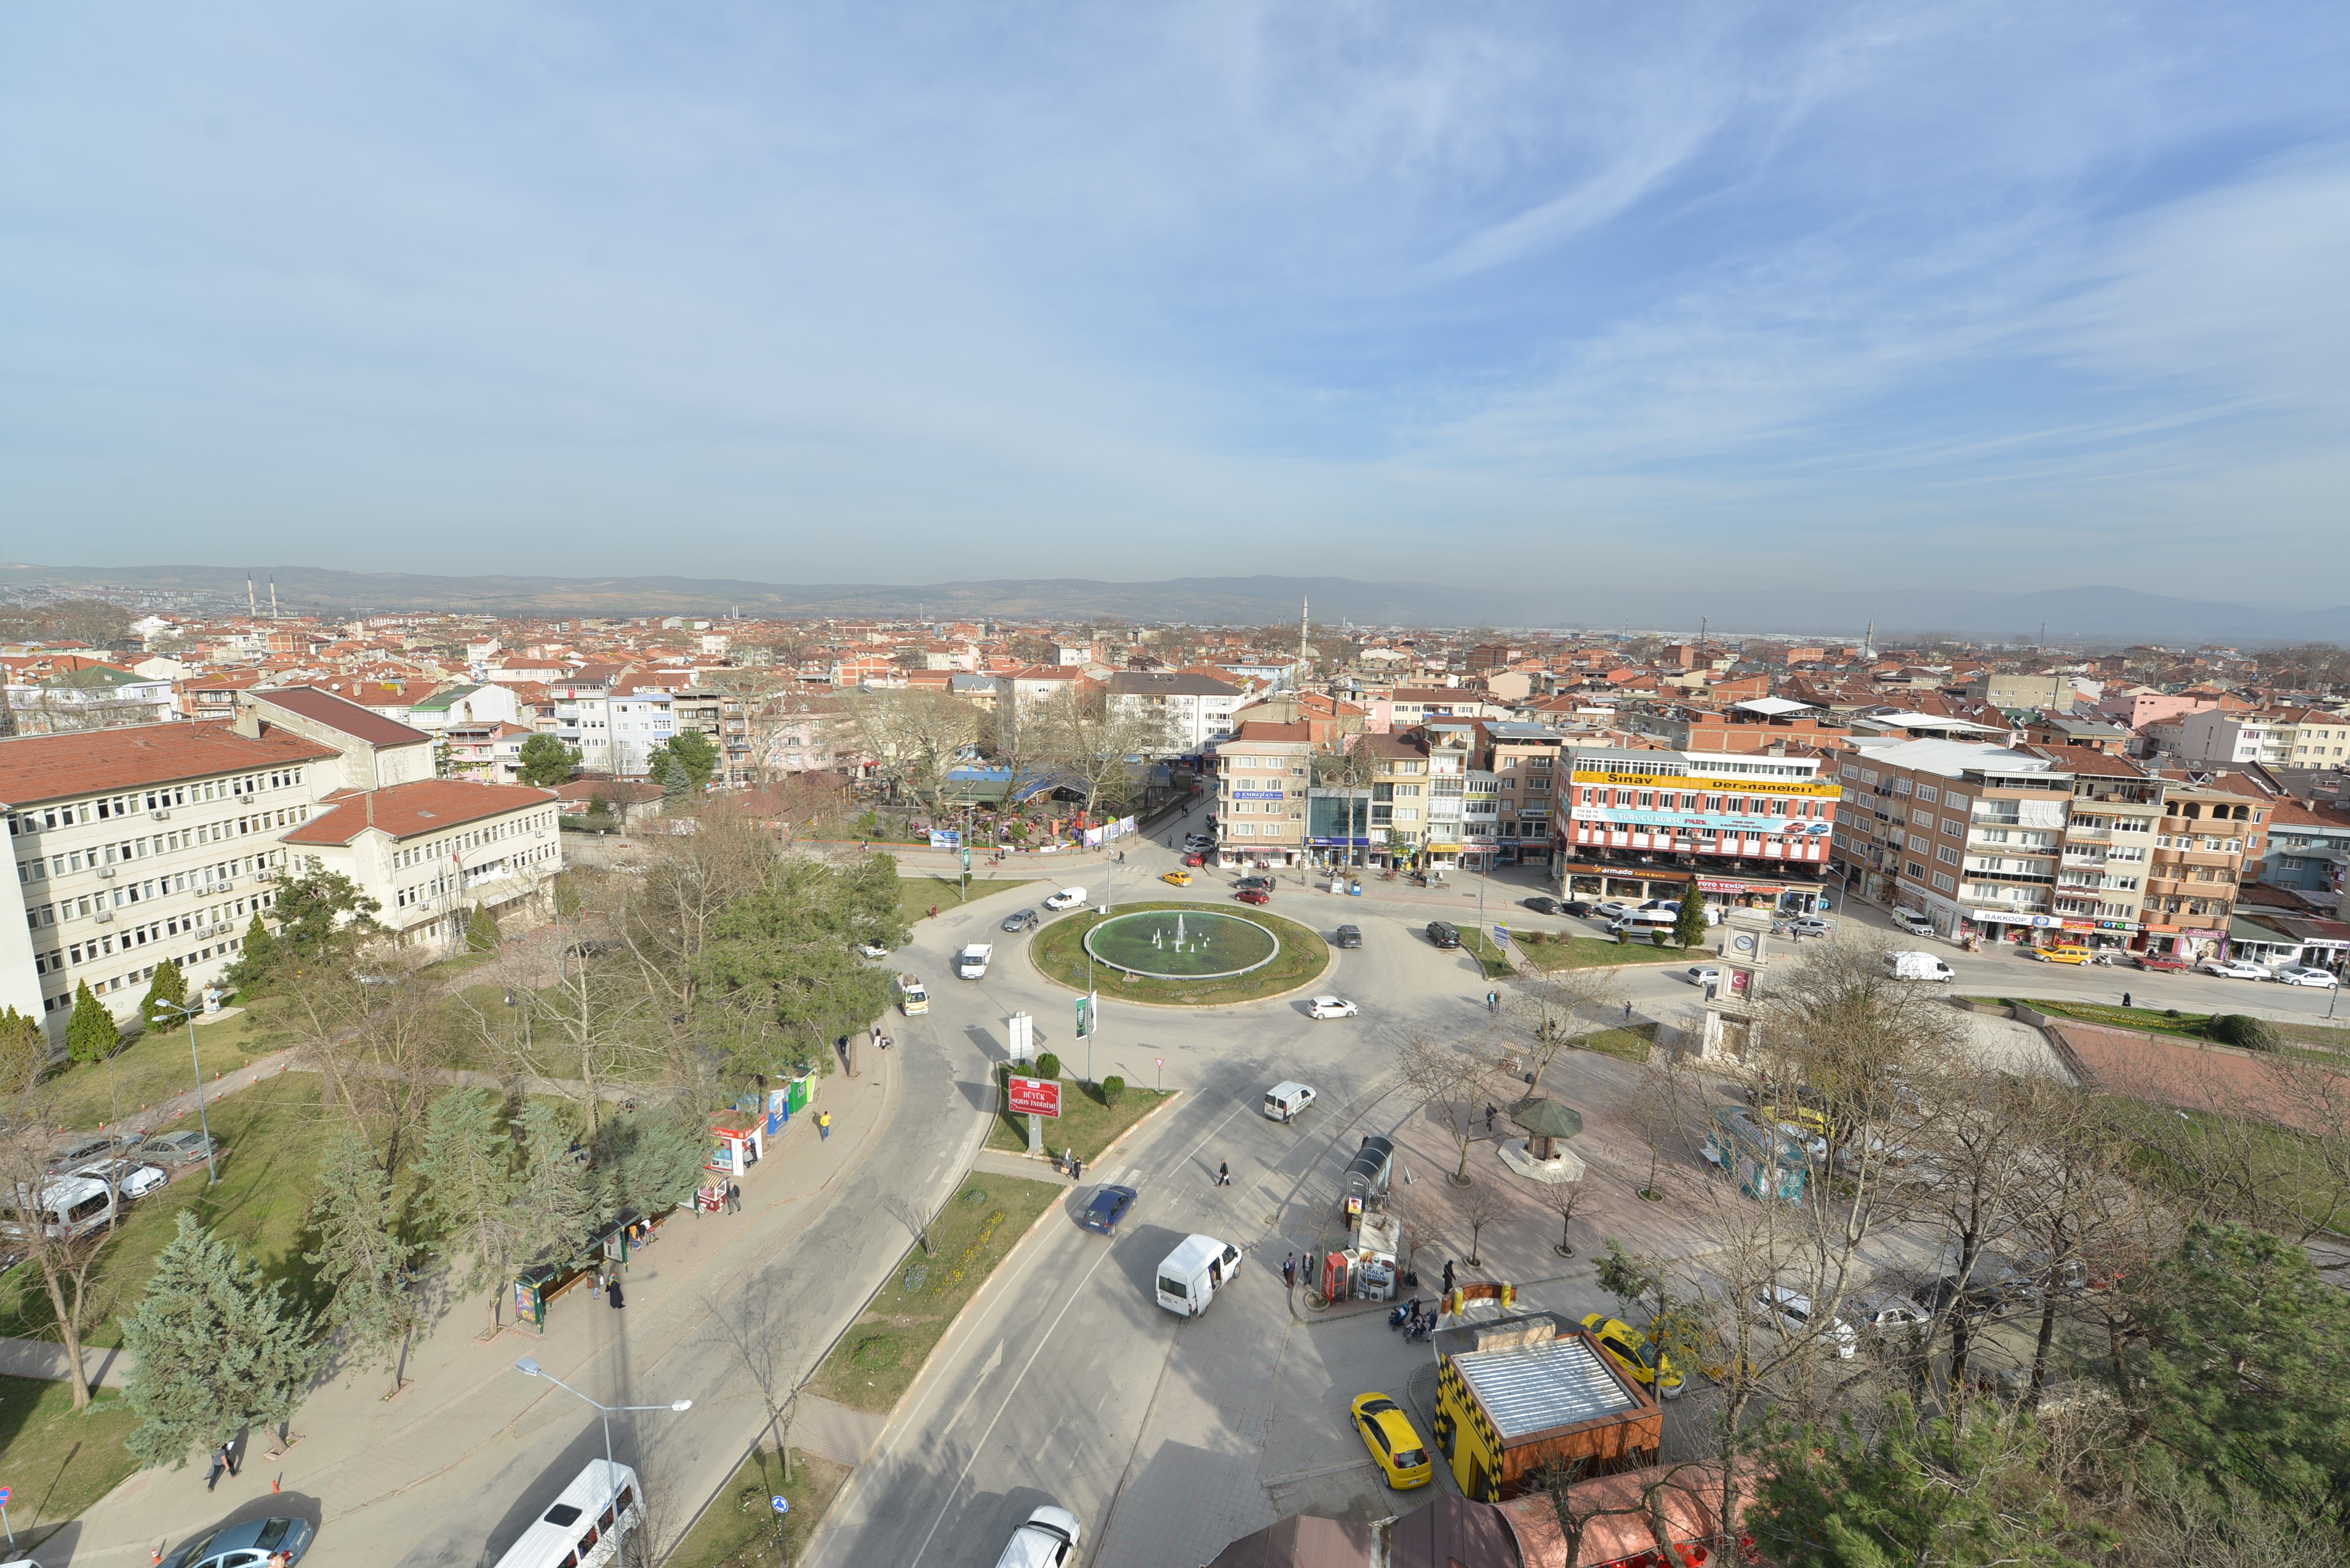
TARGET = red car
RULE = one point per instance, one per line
(1195, 859)
(1254, 895)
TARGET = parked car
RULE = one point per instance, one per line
(2235, 968)
(1637, 1354)
(1702, 974)
(1444, 933)
(1916, 924)
(1195, 859)
(1020, 919)
(1254, 895)
(1198, 841)
(1348, 937)
(130, 1180)
(1808, 926)
(1792, 1309)
(1332, 1007)
(1611, 911)
(1067, 898)
(1109, 1207)
(249, 1541)
(80, 1148)
(1048, 1540)
(1543, 904)
(873, 950)
(2302, 975)
(1894, 1316)
(1580, 909)
(186, 1148)
(1395, 1446)
(1978, 1298)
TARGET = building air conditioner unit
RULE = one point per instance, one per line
(107, 872)
(103, 916)
(161, 816)
(266, 874)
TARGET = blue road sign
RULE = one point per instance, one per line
(783, 1504)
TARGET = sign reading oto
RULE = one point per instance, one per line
(1036, 1097)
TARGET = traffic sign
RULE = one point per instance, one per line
(783, 1504)
(1036, 1097)
(1502, 936)
(3, 1497)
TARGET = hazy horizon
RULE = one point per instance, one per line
(1852, 298)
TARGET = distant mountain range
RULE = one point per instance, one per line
(2070, 615)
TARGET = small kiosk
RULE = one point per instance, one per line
(791, 1096)
(737, 1142)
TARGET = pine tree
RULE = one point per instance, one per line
(255, 958)
(90, 1033)
(558, 1198)
(651, 1161)
(168, 986)
(24, 1051)
(1689, 926)
(363, 1257)
(214, 1348)
(482, 930)
(468, 1188)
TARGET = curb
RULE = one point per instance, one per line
(1328, 962)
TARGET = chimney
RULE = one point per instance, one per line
(247, 722)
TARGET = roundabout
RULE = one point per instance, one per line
(1181, 954)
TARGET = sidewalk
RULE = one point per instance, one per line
(354, 1450)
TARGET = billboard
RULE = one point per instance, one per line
(1034, 1097)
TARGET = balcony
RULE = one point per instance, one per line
(2077, 833)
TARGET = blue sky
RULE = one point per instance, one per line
(2021, 296)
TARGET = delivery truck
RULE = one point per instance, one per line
(912, 1000)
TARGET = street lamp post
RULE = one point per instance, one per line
(212, 1170)
(530, 1368)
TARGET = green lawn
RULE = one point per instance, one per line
(1059, 950)
(1086, 1124)
(272, 1132)
(59, 1463)
(151, 1069)
(2288, 1164)
(1489, 956)
(740, 1527)
(917, 894)
(1590, 952)
(2321, 1041)
(1629, 1045)
(883, 1351)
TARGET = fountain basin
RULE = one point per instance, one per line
(1182, 944)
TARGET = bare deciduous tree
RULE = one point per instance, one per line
(1477, 1208)
(1559, 1007)
(1455, 1083)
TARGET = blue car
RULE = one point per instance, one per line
(248, 1543)
(1109, 1207)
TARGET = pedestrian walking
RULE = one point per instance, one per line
(1493, 1002)
(1627, 1010)
(2125, 999)
(612, 1291)
(1289, 1272)
(1223, 1174)
(735, 1197)
(1490, 1114)
(220, 1465)
(824, 1127)
(1448, 1276)
(1076, 1170)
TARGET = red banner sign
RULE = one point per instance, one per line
(1036, 1097)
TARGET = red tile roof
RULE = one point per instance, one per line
(412, 810)
(36, 768)
(359, 722)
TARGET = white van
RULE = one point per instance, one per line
(1047, 1540)
(1917, 966)
(1283, 1102)
(1067, 898)
(585, 1526)
(1641, 921)
(1193, 1273)
(68, 1206)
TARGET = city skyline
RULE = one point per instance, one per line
(1183, 293)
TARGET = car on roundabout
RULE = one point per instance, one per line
(2234, 968)
(1637, 1354)
(1395, 1445)
(1347, 937)
(1180, 878)
(1067, 898)
(1020, 919)
(1702, 974)
(1443, 934)
(1254, 895)
(1106, 1209)
(1332, 1007)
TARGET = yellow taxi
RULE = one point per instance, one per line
(1180, 878)
(1387, 1432)
(2058, 955)
(1801, 1117)
(1635, 1353)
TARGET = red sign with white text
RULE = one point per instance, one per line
(1036, 1097)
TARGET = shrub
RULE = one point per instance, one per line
(2243, 1031)
(1661, 938)
(2170, 1012)
(1112, 1088)
(1048, 1065)
(1623, 938)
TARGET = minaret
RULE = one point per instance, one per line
(1304, 618)
(1868, 639)
(252, 611)
(272, 598)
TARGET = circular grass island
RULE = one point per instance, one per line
(1181, 954)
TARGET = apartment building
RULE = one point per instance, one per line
(2212, 827)
(2308, 847)
(1020, 695)
(1195, 710)
(432, 851)
(1451, 756)
(2108, 845)
(612, 720)
(1263, 775)
(1400, 780)
(138, 844)
(2021, 692)
(1749, 828)
(1967, 834)
(2217, 738)
(1524, 761)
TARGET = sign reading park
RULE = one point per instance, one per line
(1036, 1097)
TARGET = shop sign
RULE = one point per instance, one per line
(1721, 887)
(1259, 794)
(1708, 785)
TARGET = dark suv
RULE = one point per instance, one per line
(1444, 933)
(1348, 937)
